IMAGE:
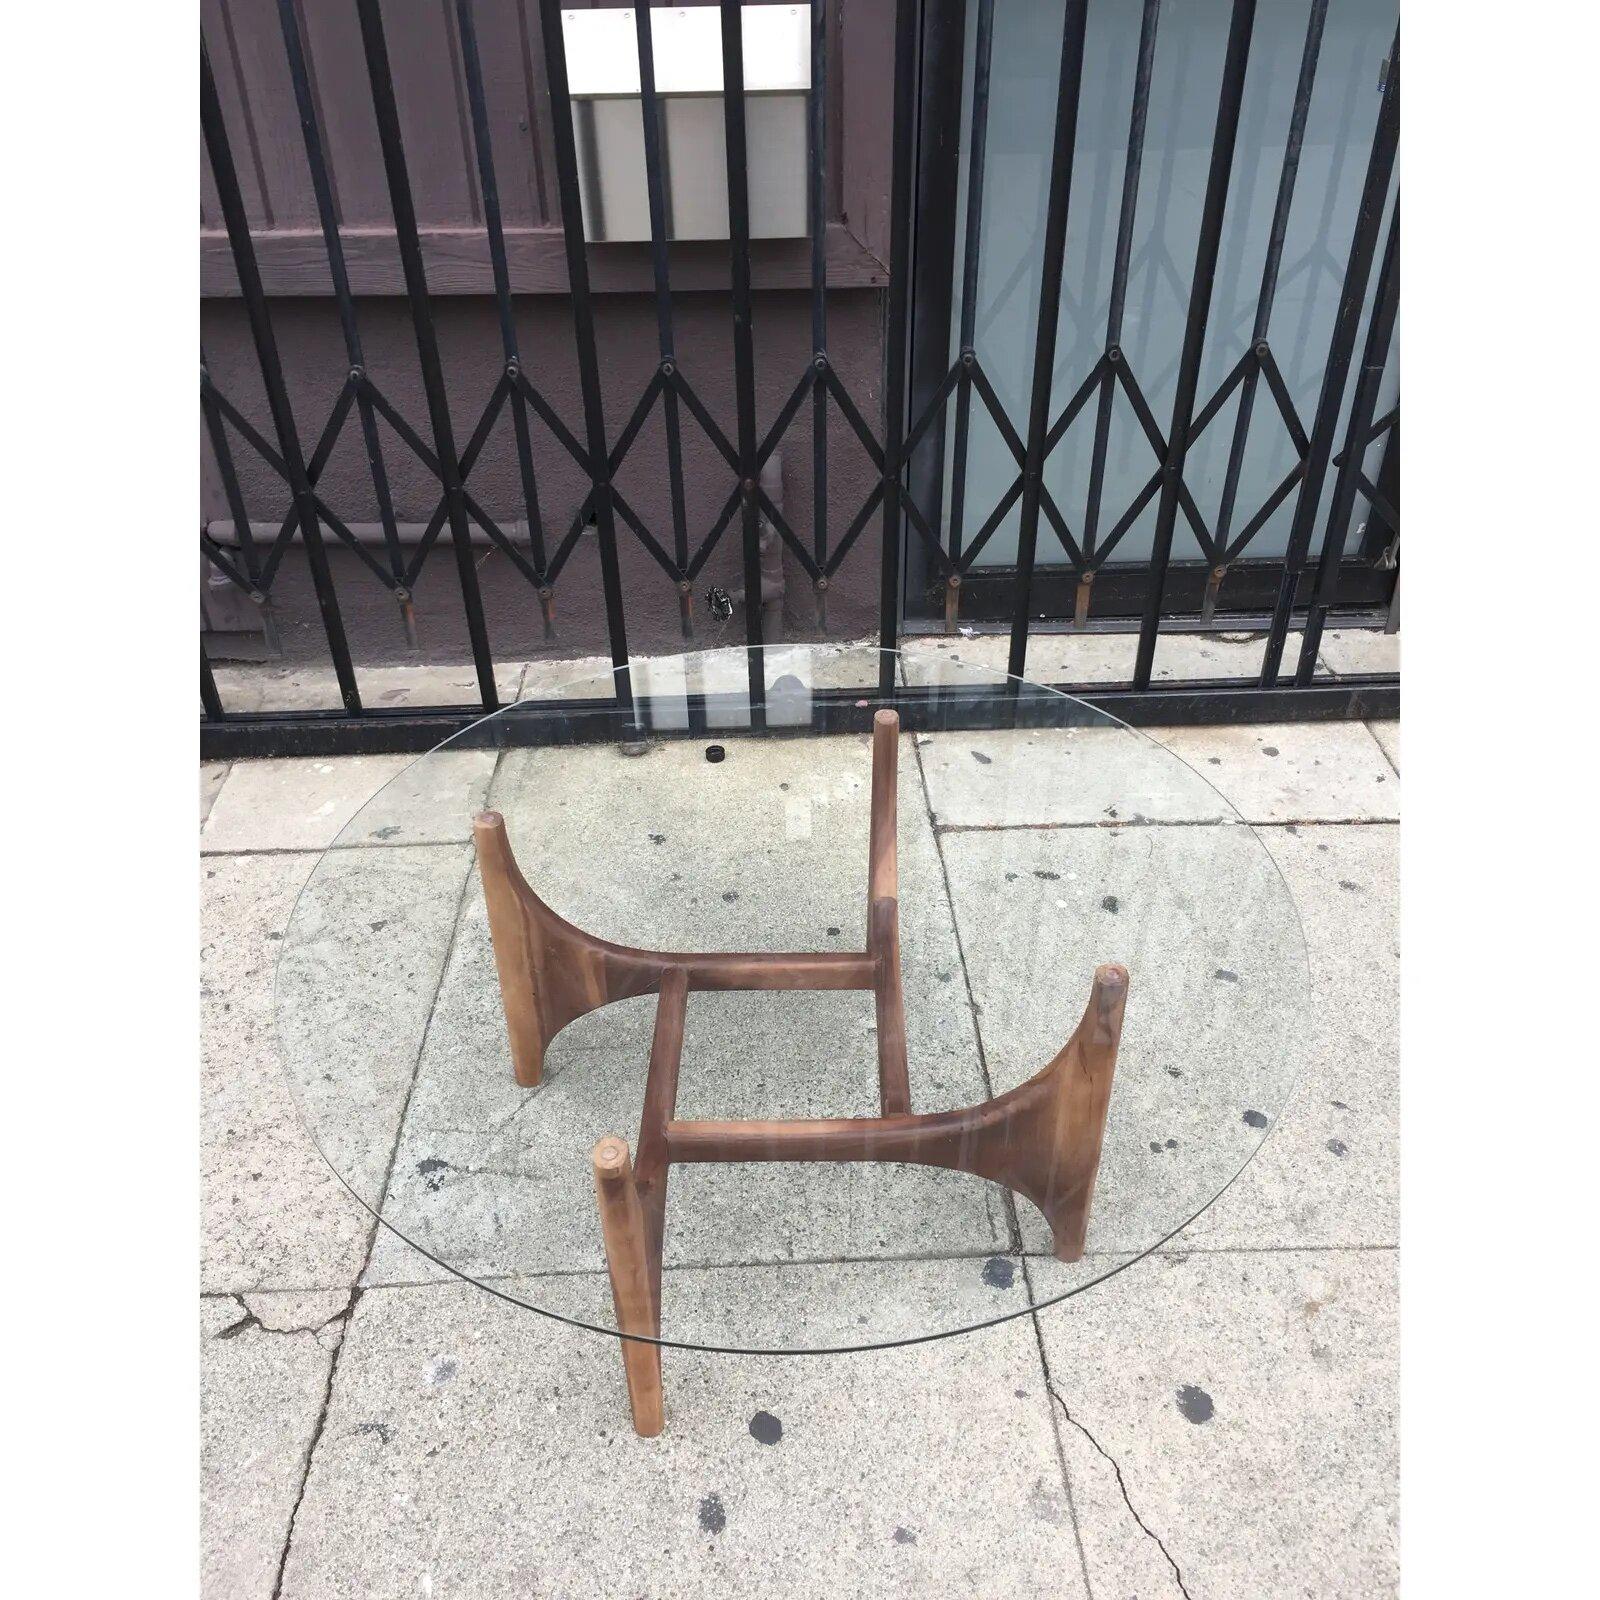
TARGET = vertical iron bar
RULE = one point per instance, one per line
(1374, 358)
(1269, 287)
(328, 217)
(1229, 100)
(255, 300)
(650, 111)
(483, 147)
(743, 343)
(248, 557)
(1341, 346)
(1063, 145)
(1121, 260)
(594, 421)
(387, 114)
(933, 365)
(817, 194)
(978, 138)
(210, 700)
(899, 315)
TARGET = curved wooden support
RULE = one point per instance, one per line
(622, 1225)
(1041, 1139)
(552, 972)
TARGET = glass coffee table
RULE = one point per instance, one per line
(740, 1013)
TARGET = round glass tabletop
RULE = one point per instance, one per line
(1015, 995)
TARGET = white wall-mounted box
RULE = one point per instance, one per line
(603, 79)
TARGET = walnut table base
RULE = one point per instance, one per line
(1041, 1139)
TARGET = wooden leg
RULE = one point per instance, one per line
(883, 917)
(622, 1223)
(660, 1097)
(515, 951)
(1059, 1152)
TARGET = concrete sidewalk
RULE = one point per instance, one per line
(1219, 1420)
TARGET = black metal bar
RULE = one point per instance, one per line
(930, 540)
(244, 259)
(921, 707)
(1268, 506)
(1121, 259)
(899, 314)
(645, 537)
(1131, 515)
(931, 410)
(214, 553)
(972, 244)
(328, 218)
(1207, 414)
(551, 418)
(331, 431)
(1341, 346)
(1070, 410)
(220, 449)
(387, 115)
(709, 543)
(676, 380)
(781, 422)
(210, 700)
(337, 526)
(1374, 358)
(482, 145)
(817, 218)
(786, 533)
(641, 414)
(594, 421)
(650, 111)
(992, 522)
(1229, 100)
(242, 424)
(1280, 393)
(933, 365)
(1278, 230)
(480, 437)
(1062, 148)
(499, 537)
(1121, 587)
(857, 526)
(847, 408)
(744, 369)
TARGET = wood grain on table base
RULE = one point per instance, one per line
(1042, 1139)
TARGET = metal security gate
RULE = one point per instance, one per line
(912, 427)
(1299, 110)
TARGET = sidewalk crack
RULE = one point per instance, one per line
(311, 1444)
(250, 1319)
(1122, 1486)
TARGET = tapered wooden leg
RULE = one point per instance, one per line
(622, 1224)
(1071, 1116)
(515, 956)
(883, 918)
